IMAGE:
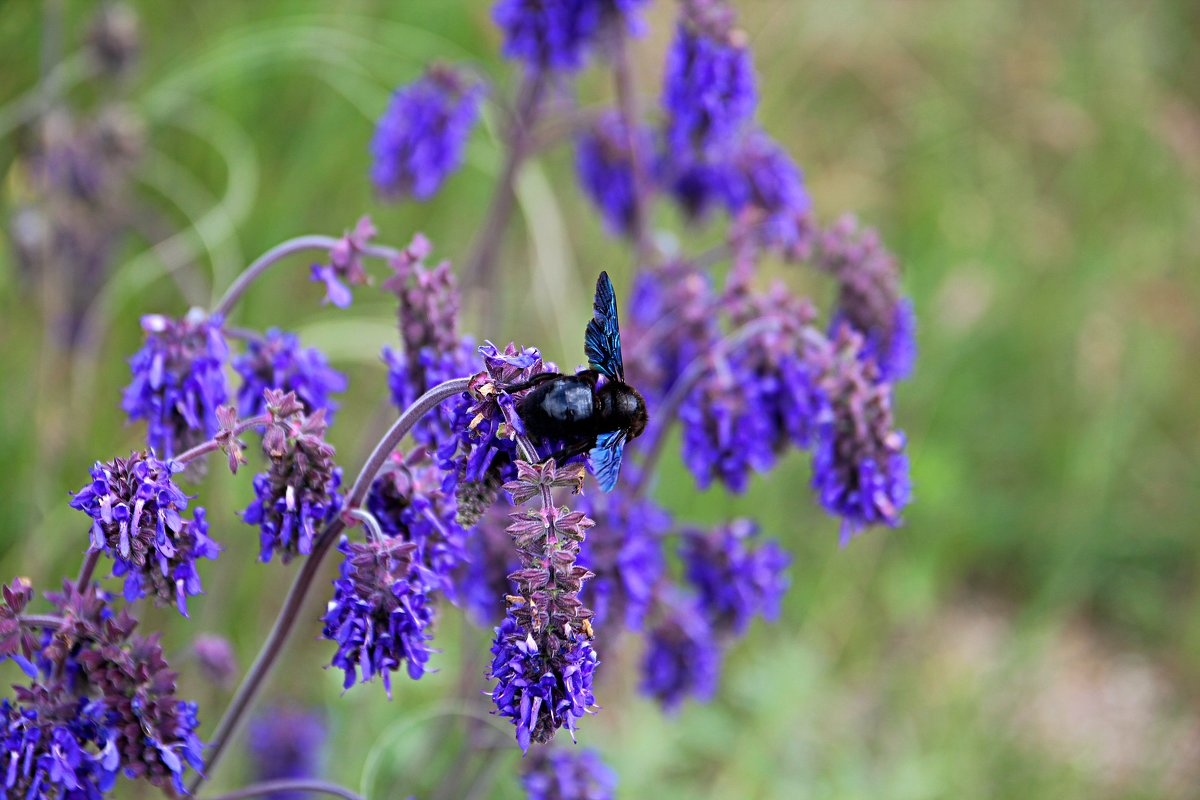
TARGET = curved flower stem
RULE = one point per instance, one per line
(627, 105)
(213, 445)
(279, 252)
(479, 270)
(273, 646)
(668, 411)
(85, 571)
(40, 620)
(288, 785)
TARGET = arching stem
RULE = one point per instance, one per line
(288, 786)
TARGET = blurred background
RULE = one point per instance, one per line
(1032, 631)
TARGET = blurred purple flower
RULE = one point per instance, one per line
(548, 34)
(682, 657)
(605, 167)
(277, 361)
(733, 581)
(560, 774)
(420, 140)
(216, 659)
(763, 180)
(286, 742)
(627, 557)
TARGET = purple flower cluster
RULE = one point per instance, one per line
(286, 743)
(733, 581)
(178, 380)
(860, 469)
(103, 702)
(559, 774)
(605, 165)
(543, 661)
(628, 558)
(683, 656)
(420, 139)
(408, 502)
(379, 612)
(277, 361)
(869, 298)
(137, 520)
(764, 184)
(298, 492)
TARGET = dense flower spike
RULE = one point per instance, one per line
(561, 774)
(541, 687)
(298, 492)
(860, 469)
(420, 139)
(763, 181)
(68, 752)
(869, 295)
(673, 320)
(733, 581)
(682, 658)
(277, 361)
(543, 658)
(408, 501)
(379, 614)
(345, 264)
(709, 91)
(606, 170)
(137, 520)
(178, 380)
(548, 34)
(287, 742)
(433, 349)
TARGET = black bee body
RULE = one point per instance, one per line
(571, 408)
(586, 415)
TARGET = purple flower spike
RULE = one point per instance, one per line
(548, 34)
(421, 138)
(178, 381)
(605, 166)
(298, 492)
(683, 657)
(709, 91)
(764, 182)
(561, 774)
(287, 742)
(277, 361)
(137, 520)
(860, 469)
(50, 758)
(379, 613)
(541, 688)
(735, 582)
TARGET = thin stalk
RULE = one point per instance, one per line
(40, 620)
(627, 104)
(668, 411)
(278, 253)
(85, 571)
(288, 785)
(288, 615)
(479, 267)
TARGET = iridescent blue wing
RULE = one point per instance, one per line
(602, 341)
(606, 458)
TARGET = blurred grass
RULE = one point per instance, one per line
(1033, 165)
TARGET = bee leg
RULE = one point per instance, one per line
(513, 388)
(571, 451)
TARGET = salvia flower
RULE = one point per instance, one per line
(379, 614)
(682, 657)
(628, 559)
(298, 492)
(178, 380)
(548, 34)
(287, 742)
(869, 295)
(544, 686)
(673, 320)
(734, 581)
(860, 469)
(421, 137)
(345, 264)
(763, 180)
(16, 640)
(137, 520)
(709, 92)
(561, 774)
(408, 502)
(215, 657)
(605, 166)
(72, 754)
(277, 361)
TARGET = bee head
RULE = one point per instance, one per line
(633, 408)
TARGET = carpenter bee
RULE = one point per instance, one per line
(590, 416)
